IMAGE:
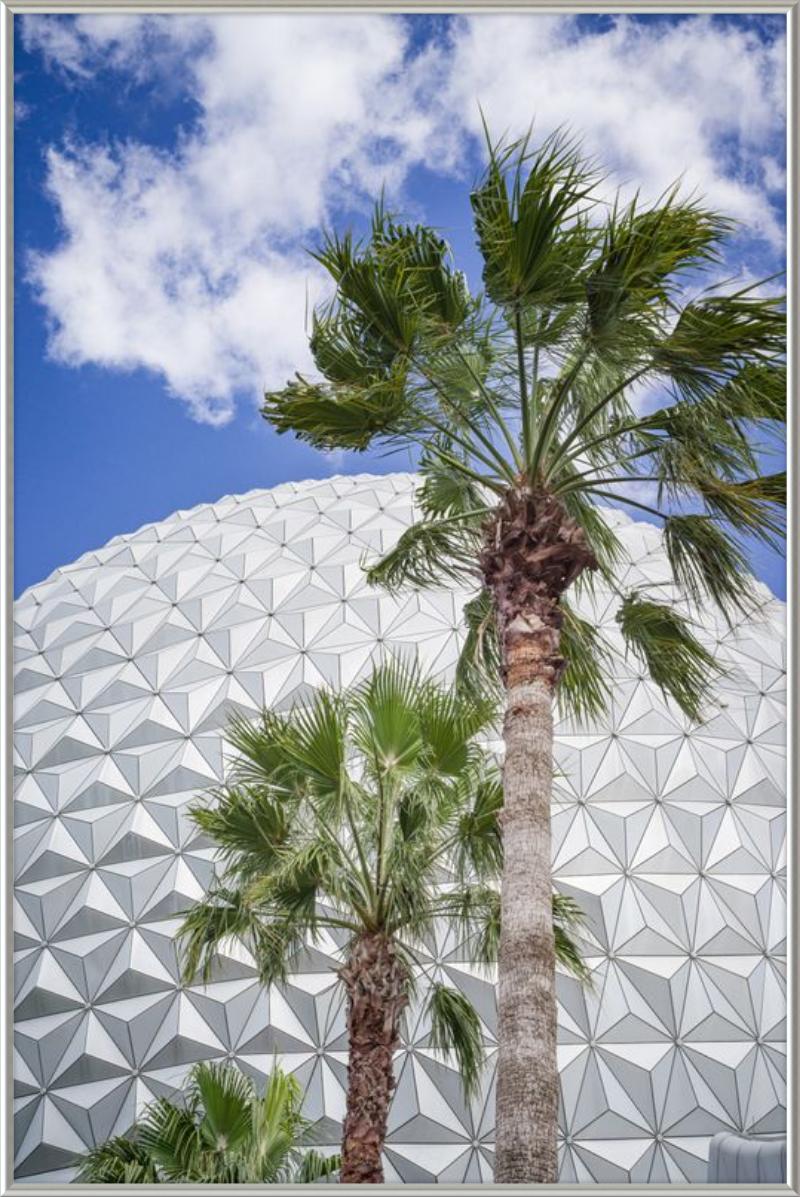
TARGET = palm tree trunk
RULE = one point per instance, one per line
(532, 553)
(376, 982)
(527, 1073)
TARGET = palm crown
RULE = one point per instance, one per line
(371, 815)
(372, 812)
(525, 398)
(223, 1132)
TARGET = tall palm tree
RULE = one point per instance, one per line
(222, 1132)
(347, 817)
(592, 366)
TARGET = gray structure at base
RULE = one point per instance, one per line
(671, 837)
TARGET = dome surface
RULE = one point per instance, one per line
(671, 837)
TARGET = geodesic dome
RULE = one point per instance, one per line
(670, 836)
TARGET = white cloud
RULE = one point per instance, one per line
(190, 262)
(654, 102)
(80, 47)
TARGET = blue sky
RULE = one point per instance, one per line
(170, 172)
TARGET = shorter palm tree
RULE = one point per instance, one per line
(371, 815)
(222, 1132)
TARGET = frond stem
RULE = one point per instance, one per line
(595, 411)
(549, 423)
(523, 387)
(499, 460)
(586, 483)
(494, 409)
(604, 494)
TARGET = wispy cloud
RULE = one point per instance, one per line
(190, 262)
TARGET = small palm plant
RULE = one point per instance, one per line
(222, 1132)
(373, 815)
(592, 367)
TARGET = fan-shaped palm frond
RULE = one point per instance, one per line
(224, 1131)
(456, 1031)
(706, 563)
(584, 689)
(120, 1161)
(663, 640)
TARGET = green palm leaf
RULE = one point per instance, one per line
(431, 549)
(219, 1130)
(646, 252)
(117, 1162)
(567, 920)
(456, 1031)
(716, 337)
(478, 841)
(706, 563)
(532, 238)
(226, 1096)
(677, 662)
(314, 1166)
(478, 667)
(170, 1135)
(584, 691)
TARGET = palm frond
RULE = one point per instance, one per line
(445, 492)
(645, 253)
(317, 745)
(477, 840)
(570, 959)
(119, 1161)
(568, 918)
(757, 392)
(567, 912)
(225, 1096)
(662, 639)
(691, 445)
(381, 302)
(228, 916)
(261, 746)
(449, 723)
(224, 915)
(292, 891)
(344, 356)
(170, 1135)
(315, 1167)
(426, 553)
(715, 337)
(755, 506)
(478, 666)
(472, 910)
(421, 260)
(341, 416)
(385, 726)
(583, 690)
(247, 825)
(707, 563)
(277, 1131)
(533, 239)
(456, 1030)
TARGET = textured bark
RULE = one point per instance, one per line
(527, 1075)
(376, 982)
(532, 553)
